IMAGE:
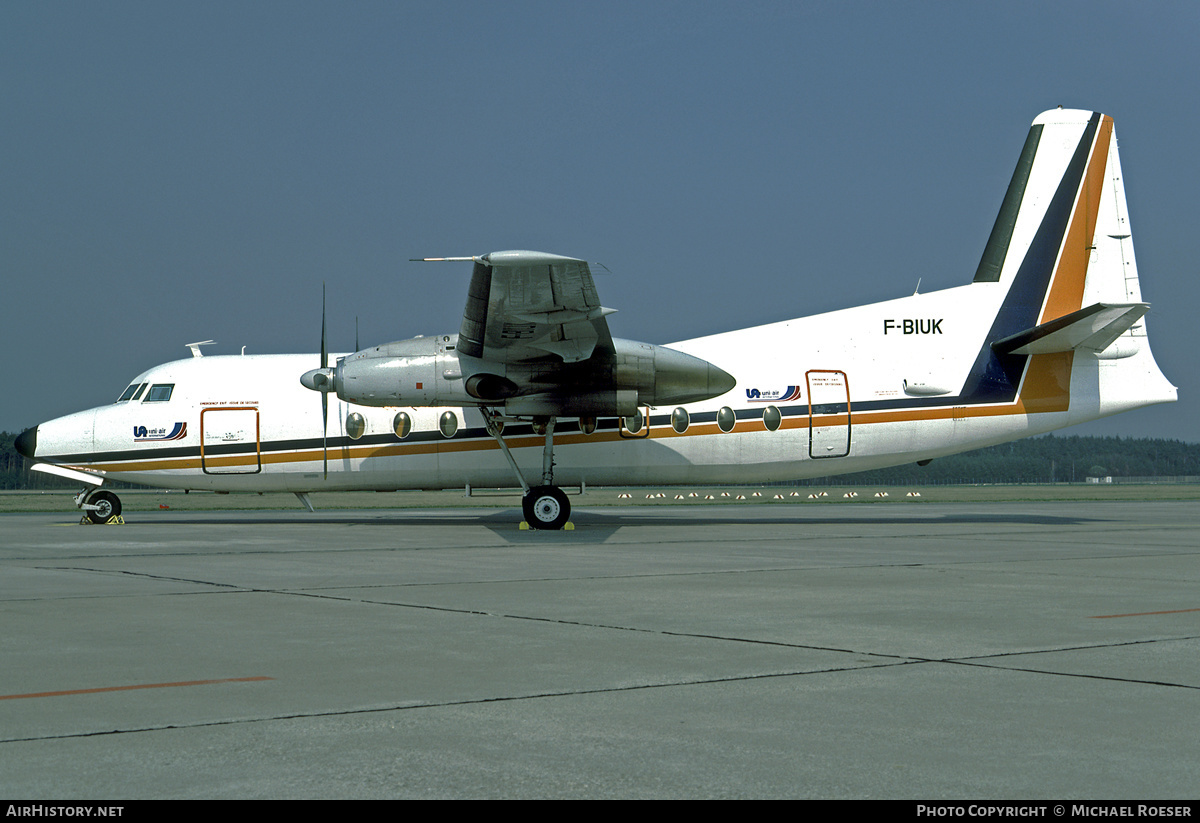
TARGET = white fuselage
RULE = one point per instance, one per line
(246, 423)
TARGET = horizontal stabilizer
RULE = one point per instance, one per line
(1094, 328)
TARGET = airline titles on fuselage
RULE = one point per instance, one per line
(772, 395)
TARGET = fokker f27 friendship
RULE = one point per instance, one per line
(534, 388)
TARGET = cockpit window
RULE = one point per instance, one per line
(159, 393)
(133, 392)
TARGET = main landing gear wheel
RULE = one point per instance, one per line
(546, 507)
(108, 506)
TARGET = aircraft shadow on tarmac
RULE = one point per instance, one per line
(596, 526)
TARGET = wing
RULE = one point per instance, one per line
(527, 305)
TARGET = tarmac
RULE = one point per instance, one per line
(908, 650)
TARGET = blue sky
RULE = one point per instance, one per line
(180, 172)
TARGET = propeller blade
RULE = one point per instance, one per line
(324, 394)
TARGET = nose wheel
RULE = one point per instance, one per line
(546, 507)
(101, 506)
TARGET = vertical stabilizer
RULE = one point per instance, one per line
(1060, 255)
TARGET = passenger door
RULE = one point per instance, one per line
(828, 413)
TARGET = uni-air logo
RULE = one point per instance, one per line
(142, 434)
(773, 395)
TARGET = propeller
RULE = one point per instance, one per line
(321, 380)
(324, 394)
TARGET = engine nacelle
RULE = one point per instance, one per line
(416, 372)
(666, 377)
(428, 371)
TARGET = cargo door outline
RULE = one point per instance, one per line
(828, 413)
(226, 434)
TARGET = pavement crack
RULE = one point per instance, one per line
(705, 681)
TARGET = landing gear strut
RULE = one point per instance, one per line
(545, 506)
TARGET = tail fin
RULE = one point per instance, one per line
(1061, 257)
(1062, 238)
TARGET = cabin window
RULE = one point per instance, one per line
(680, 419)
(355, 425)
(725, 419)
(448, 424)
(772, 418)
(159, 393)
(402, 424)
(634, 424)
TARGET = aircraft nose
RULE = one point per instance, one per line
(26, 443)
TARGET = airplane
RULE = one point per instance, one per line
(1048, 333)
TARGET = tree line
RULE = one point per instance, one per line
(1047, 459)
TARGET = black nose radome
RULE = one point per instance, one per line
(26, 442)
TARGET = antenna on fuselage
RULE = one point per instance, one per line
(195, 347)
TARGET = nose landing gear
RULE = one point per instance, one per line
(100, 506)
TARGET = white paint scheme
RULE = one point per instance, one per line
(938, 359)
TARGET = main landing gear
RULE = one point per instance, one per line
(545, 506)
